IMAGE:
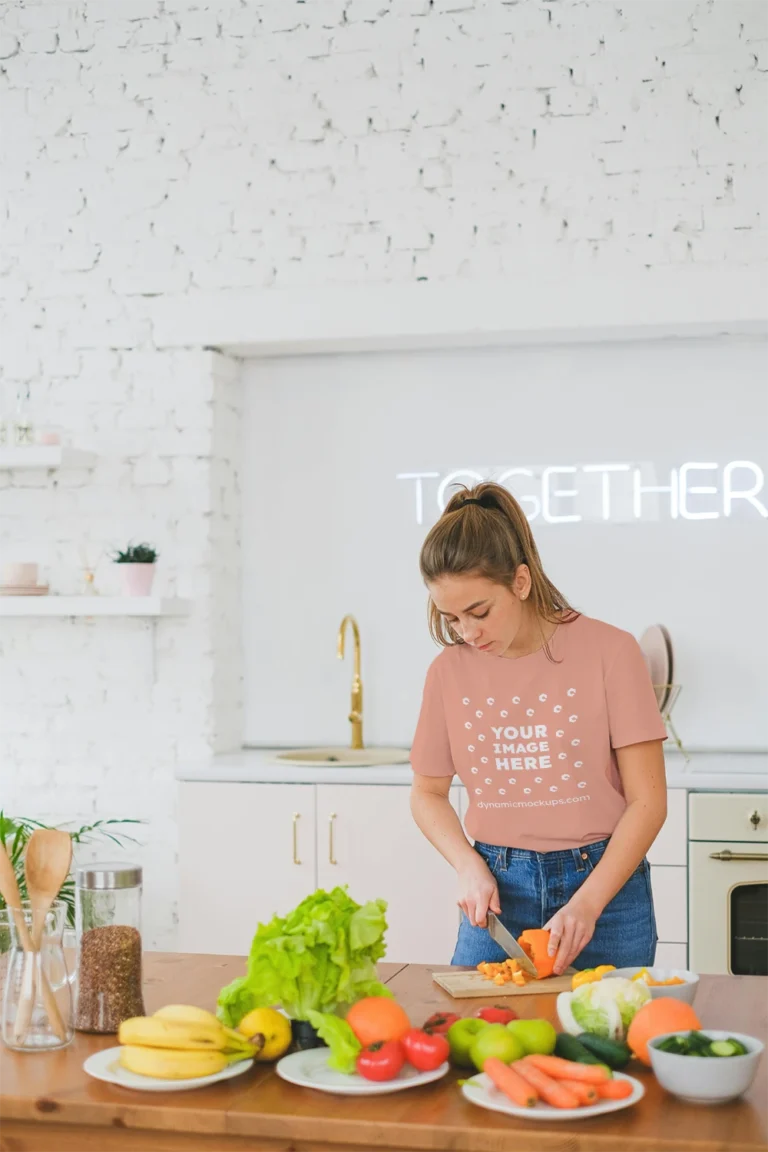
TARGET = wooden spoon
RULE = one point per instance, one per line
(46, 866)
(9, 890)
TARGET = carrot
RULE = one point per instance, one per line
(561, 1069)
(584, 1093)
(551, 1091)
(614, 1090)
(514, 1087)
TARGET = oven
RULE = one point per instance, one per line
(728, 883)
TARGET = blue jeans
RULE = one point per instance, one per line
(534, 885)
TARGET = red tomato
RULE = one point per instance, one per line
(440, 1022)
(425, 1050)
(382, 1060)
(496, 1014)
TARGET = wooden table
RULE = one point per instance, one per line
(48, 1104)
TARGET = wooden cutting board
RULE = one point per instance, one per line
(468, 985)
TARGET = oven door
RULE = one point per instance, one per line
(728, 908)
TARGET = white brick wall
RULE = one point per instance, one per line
(165, 147)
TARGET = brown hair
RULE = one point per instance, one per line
(489, 537)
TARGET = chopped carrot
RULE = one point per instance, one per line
(614, 1090)
(561, 1069)
(514, 1087)
(584, 1093)
(551, 1091)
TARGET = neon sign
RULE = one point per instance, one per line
(618, 492)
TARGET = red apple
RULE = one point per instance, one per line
(440, 1022)
(495, 1014)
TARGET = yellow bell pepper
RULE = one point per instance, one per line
(591, 975)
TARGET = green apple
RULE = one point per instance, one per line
(461, 1035)
(536, 1036)
(495, 1040)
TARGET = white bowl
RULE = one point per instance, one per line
(685, 992)
(706, 1079)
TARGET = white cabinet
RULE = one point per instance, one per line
(368, 840)
(672, 956)
(246, 851)
(668, 857)
(671, 844)
(670, 898)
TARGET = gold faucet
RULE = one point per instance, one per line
(356, 704)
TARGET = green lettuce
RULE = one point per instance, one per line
(319, 958)
(337, 1034)
(608, 1007)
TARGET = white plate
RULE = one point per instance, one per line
(310, 1070)
(104, 1066)
(479, 1090)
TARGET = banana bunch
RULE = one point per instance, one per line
(180, 1042)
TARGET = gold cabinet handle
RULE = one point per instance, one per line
(331, 858)
(726, 854)
(296, 818)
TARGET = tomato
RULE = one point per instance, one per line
(440, 1022)
(377, 1018)
(425, 1050)
(496, 1014)
(382, 1060)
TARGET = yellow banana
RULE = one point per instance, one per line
(166, 1064)
(155, 1032)
(187, 1014)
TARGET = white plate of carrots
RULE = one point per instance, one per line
(548, 1088)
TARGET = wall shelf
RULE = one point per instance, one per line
(46, 456)
(147, 606)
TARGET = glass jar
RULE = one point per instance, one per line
(108, 919)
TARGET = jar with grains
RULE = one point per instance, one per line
(108, 918)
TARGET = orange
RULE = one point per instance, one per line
(377, 1018)
(654, 1019)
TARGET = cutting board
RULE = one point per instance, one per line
(468, 985)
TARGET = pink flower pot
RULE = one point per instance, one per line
(137, 579)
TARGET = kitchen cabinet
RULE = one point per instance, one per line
(368, 840)
(671, 844)
(670, 898)
(671, 956)
(248, 851)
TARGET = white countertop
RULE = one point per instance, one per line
(705, 772)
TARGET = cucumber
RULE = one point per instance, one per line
(569, 1048)
(726, 1048)
(609, 1052)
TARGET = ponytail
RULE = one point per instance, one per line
(484, 531)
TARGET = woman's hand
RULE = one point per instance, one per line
(478, 892)
(571, 929)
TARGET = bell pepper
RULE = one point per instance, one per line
(591, 975)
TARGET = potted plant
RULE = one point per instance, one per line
(15, 832)
(138, 568)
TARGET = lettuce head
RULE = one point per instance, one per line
(607, 1007)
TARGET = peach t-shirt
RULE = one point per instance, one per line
(534, 741)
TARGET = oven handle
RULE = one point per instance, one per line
(726, 855)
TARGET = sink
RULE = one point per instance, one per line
(344, 757)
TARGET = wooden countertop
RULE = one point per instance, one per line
(48, 1104)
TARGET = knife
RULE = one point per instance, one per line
(507, 941)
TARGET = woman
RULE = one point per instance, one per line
(550, 720)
